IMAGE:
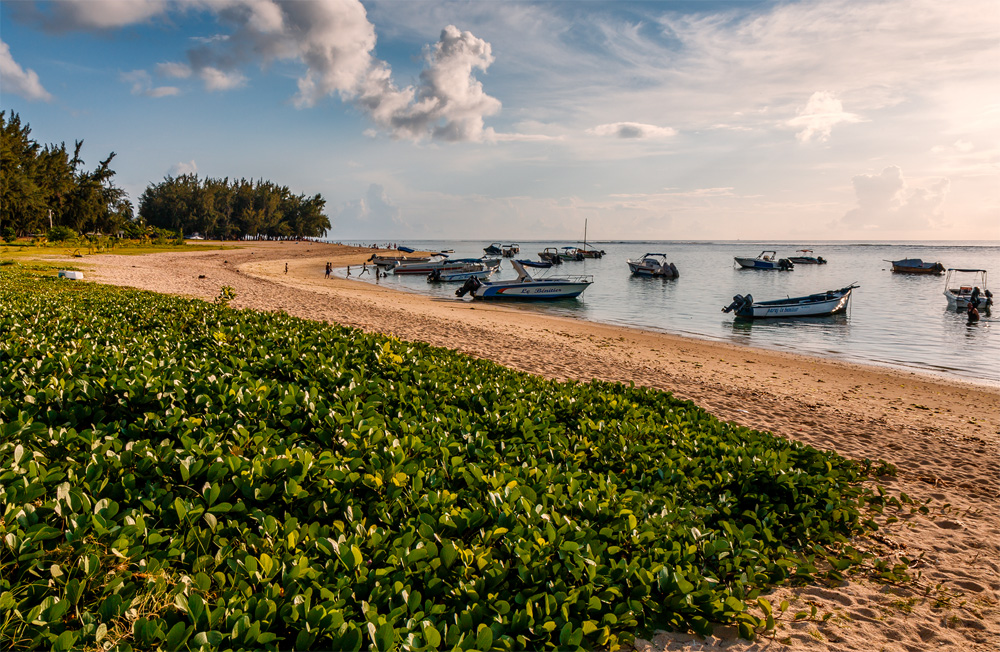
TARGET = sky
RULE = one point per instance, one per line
(499, 120)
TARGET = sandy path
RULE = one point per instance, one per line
(943, 435)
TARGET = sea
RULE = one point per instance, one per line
(894, 320)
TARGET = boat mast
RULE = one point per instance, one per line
(585, 233)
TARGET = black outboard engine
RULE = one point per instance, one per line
(821, 260)
(785, 265)
(470, 285)
(435, 275)
(738, 302)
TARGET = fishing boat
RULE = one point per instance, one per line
(391, 261)
(495, 249)
(962, 286)
(588, 252)
(551, 255)
(540, 264)
(823, 304)
(524, 287)
(765, 260)
(406, 250)
(570, 253)
(806, 258)
(653, 265)
(509, 251)
(443, 265)
(915, 266)
(472, 269)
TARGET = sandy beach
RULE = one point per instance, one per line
(942, 434)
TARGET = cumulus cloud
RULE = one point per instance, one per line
(142, 84)
(819, 116)
(333, 39)
(19, 81)
(184, 167)
(885, 200)
(632, 130)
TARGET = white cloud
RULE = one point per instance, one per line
(220, 80)
(142, 84)
(819, 116)
(886, 201)
(174, 69)
(632, 130)
(19, 81)
(184, 167)
(333, 39)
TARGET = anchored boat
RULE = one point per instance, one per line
(915, 266)
(806, 259)
(653, 265)
(822, 304)
(524, 287)
(964, 286)
(765, 260)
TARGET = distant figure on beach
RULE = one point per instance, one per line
(286, 268)
(364, 269)
(329, 268)
(348, 270)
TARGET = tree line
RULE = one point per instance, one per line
(43, 189)
(218, 208)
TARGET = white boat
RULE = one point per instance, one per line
(472, 269)
(765, 260)
(524, 287)
(550, 255)
(391, 261)
(962, 286)
(823, 304)
(653, 265)
(443, 265)
(509, 251)
(806, 258)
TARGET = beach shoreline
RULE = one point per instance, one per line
(942, 434)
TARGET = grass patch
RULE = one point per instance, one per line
(176, 473)
(24, 250)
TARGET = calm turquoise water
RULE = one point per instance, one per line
(896, 320)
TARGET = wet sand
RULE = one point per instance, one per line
(942, 434)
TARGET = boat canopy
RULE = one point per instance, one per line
(973, 271)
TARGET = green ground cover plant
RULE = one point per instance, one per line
(179, 474)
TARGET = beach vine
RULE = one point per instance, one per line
(174, 473)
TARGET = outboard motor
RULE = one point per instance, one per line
(785, 265)
(435, 275)
(738, 302)
(821, 260)
(673, 271)
(471, 285)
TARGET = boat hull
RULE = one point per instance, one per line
(455, 277)
(645, 270)
(756, 263)
(533, 291)
(832, 302)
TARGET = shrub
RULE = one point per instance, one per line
(62, 234)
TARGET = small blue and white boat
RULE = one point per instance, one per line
(822, 304)
(524, 287)
(653, 265)
(765, 260)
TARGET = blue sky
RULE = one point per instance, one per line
(840, 119)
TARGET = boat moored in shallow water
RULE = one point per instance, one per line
(822, 304)
(964, 286)
(915, 266)
(653, 265)
(524, 287)
(765, 260)
(806, 258)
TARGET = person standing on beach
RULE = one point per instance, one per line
(329, 268)
(286, 268)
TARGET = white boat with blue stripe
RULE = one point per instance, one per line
(525, 287)
(822, 304)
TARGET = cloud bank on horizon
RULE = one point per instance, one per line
(819, 119)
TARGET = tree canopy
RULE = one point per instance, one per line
(38, 182)
(219, 208)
